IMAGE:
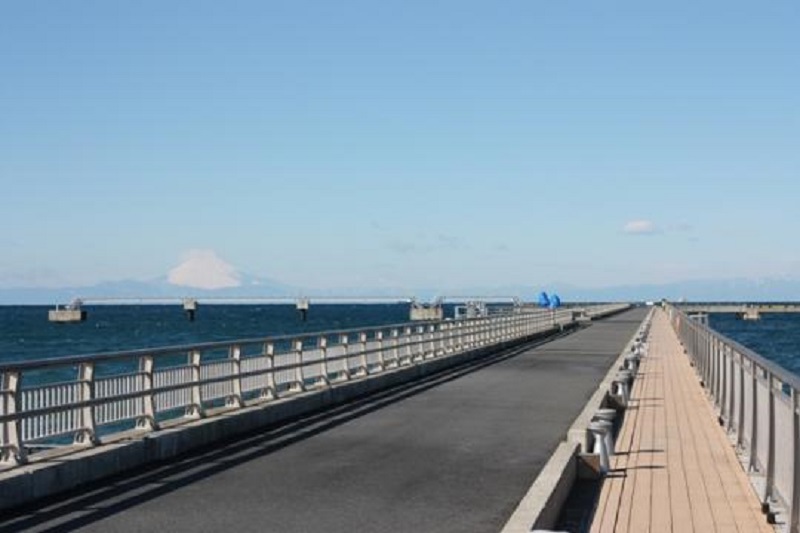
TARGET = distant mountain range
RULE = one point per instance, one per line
(203, 274)
(251, 287)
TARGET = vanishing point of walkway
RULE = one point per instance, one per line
(675, 469)
(452, 453)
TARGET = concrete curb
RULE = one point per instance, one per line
(541, 506)
(53, 475)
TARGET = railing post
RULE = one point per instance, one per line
(87, 434)
(269, 392)
(717, 380)
(235, 399)
(753, 466)
(702, 354)
(363, 368)
(299, 383)
(395, 350)
(731, 387)
(723, 381)
(344, 339)
(450, 342)
(381, 358)
(472, 333)
(769, 485)
(322, 345)
(13, 450)
(794, 512)
(709, 362)
(195, 409)
(148, 419)
(742, 391)
(714, 371)
(419, 346)
(408, 349)
(456, 336)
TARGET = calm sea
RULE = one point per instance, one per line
(25, 332)
(776, 336)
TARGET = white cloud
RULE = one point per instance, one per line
(203, 269)
(640, 227)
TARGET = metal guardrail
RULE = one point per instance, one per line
(758, 403)
(76, 400)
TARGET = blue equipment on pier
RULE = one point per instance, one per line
(544, 300)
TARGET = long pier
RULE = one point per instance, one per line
(481, 425)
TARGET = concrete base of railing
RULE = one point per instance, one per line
(54, 475)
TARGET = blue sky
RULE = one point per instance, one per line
(400, 143)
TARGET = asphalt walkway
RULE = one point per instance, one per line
(453, 453)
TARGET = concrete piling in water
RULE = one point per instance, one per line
(190, 308)
(302, 305)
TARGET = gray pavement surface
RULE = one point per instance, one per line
(452, 453)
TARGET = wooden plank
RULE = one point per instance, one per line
(641, 488)
(679, 504)
(661, 507)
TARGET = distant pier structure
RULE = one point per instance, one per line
(745, 311)
(426, 311)
(302, 306)
(69, 313)
(190, 308)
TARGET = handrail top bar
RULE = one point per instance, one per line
(784, 375)
(163, 350)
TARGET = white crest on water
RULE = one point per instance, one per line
(204, 269)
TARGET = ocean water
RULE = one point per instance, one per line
(776, 336)
(26, 334)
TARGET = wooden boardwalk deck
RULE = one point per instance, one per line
(675, 469)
